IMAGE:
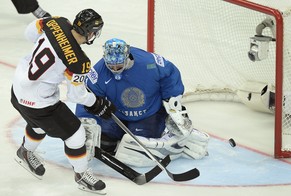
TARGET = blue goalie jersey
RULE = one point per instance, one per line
(140, 91)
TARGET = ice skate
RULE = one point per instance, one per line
(30, 162)
(88, 182)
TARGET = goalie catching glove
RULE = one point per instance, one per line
(102, 108)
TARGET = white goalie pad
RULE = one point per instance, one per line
(93, 135)
(197, 145)
(131, 153)
(178, 123)
(258, 96)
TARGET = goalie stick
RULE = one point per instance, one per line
(128, 172)
(189, 175)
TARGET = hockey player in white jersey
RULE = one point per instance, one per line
(57, 57)
(146, 89)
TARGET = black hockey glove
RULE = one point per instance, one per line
(102, 108)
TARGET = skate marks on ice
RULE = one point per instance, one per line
(225, 165)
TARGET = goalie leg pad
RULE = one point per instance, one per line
(196, 146)
(93, 134)
(179, 124)
(131, 153)
(194, 151)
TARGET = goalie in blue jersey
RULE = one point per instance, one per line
(146, 90)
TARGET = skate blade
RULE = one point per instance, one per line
(25, 166)
(83, 188)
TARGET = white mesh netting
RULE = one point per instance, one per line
(209, 42)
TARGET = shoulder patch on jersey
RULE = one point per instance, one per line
(151, 66)
(92, 75)
(159, 60)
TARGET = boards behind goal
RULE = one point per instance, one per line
(225, 48)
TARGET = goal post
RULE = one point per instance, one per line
(211, 41)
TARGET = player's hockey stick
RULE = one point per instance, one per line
(189, 175)
(128, 172)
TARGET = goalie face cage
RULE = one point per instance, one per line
(209, 41)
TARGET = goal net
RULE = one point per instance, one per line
(230, 50)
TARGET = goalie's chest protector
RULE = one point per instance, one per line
(138, 92)
(58, 31)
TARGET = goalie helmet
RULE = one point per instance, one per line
(86, 22)
(116, 53)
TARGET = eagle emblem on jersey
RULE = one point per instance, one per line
(133, 97)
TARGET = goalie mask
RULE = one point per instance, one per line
(116, 53)
(86, 22)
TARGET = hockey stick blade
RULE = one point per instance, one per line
(153, 172)
(189, 175)
(127, 171)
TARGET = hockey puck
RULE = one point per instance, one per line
(232, 142)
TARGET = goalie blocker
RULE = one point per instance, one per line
(179, 139)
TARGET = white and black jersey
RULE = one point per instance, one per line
(56, 57)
